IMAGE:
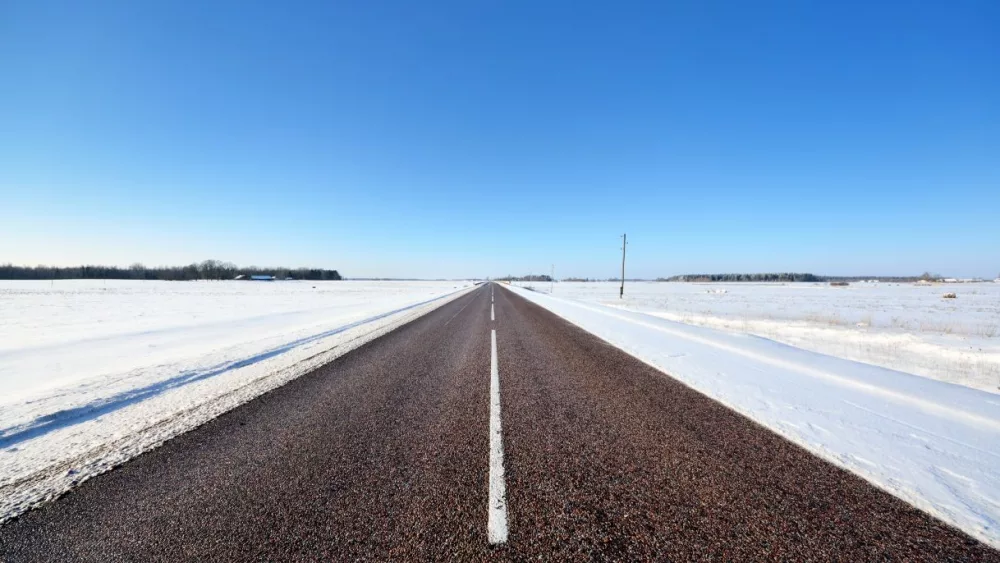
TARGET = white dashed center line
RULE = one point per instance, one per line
(497, 520)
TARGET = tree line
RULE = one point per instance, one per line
(762, 277)
(788, 277)
(206, 270)
(530, 277)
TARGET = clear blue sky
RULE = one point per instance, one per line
(487, 137)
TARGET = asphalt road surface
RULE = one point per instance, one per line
(461, 437)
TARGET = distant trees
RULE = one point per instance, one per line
(206, 270)
(764, 277)
(530, 277)
(315, 274)
(216, 270)
(138, 271)
(790, 277)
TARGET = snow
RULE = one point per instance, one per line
(906, 327)
(933, 444)
(93, 373)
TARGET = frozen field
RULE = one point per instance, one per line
(905, 327)
(933, 444)
(93, 372)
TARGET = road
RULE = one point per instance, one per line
(489, 429)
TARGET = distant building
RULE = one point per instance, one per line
(950, 280)
(261, 278)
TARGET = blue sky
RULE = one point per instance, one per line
(487, 137)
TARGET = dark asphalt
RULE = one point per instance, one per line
(383, 455)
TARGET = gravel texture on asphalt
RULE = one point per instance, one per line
(383, 455)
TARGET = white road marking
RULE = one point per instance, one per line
(492, 316)
(497, 521)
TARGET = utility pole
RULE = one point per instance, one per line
(552, 280)
(621, 292)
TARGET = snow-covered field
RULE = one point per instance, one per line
(906, 327)
(93, 373)
(936, 445)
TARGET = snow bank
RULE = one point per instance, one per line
(906, 327)
(932, 444)
(94, 373)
